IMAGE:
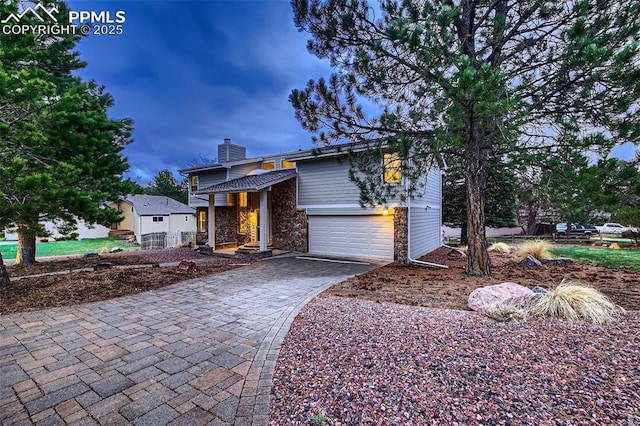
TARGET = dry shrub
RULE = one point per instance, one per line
(104, 250)
(463, 249)
(500, 248)
(505, 314)
(513, 308)
(538, 249)
(573, 302)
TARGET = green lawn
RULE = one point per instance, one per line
(59, 248)
(628, 259)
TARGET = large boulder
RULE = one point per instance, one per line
(485, 299)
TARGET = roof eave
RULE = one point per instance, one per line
(256, 188)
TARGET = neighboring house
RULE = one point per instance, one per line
(304, 201)
(150, 214)
(83, 229)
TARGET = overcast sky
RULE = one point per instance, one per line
(190, 73)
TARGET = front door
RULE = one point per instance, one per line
(254, 228)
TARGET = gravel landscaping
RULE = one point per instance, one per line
(350, 362)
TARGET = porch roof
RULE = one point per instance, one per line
(250, 183)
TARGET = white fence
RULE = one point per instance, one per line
(160, 240)
(155, 240)
(180, 239)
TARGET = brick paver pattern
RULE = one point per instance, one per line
(199, 352)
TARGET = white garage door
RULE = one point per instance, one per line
(352, 236)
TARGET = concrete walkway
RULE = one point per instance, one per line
(199, 352)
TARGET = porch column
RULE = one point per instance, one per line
(264, 221)
(211, 217)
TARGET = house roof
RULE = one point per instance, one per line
(230, 164)
(301, 155)
(157, 205)
(250, 183)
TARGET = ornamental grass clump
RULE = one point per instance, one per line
(538, 249)
(573, 302)
(499, 248)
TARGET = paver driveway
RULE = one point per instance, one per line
(199, 352)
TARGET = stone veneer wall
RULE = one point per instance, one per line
(289, 224)
(243, 222)
(226, 224)
(400, 235)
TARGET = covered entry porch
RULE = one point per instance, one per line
(247, 217)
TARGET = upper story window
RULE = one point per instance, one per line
(194, 183)
(392, 166)
(284, 164)
(158, 219)
(269, 165)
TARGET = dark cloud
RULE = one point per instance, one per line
(190, 73)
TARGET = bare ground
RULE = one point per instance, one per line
(66, 285)
(405, 284)
(450, 288)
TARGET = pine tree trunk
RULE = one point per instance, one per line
(26, 254)
(464, 240)
(4, 275)
(476, 159)
(532, 219)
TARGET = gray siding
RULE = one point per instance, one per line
(343, 211)
(432, 194)
(243, 169)
(231, 152)
(424, 229)
(207, 179)
(325, 182)
(425, 226)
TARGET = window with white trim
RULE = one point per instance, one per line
(269, 165)
(392, 167)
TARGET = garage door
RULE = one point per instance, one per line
(352, 236)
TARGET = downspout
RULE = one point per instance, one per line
(414, 261)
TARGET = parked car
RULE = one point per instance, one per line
(614, 228)
(587, 231)
(591, 228)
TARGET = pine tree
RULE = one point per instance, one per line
(473, 78)
(165, 184)
(500, 203)
(61, 154)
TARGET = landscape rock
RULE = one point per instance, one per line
(102, 265)
(90, 255)
(540, 290)
(205, 250)
(528, 261)
(484, 299)
(187, 266)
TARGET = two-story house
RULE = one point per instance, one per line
(304, 201)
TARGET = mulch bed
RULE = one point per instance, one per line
(450, 288)
(40, 292)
